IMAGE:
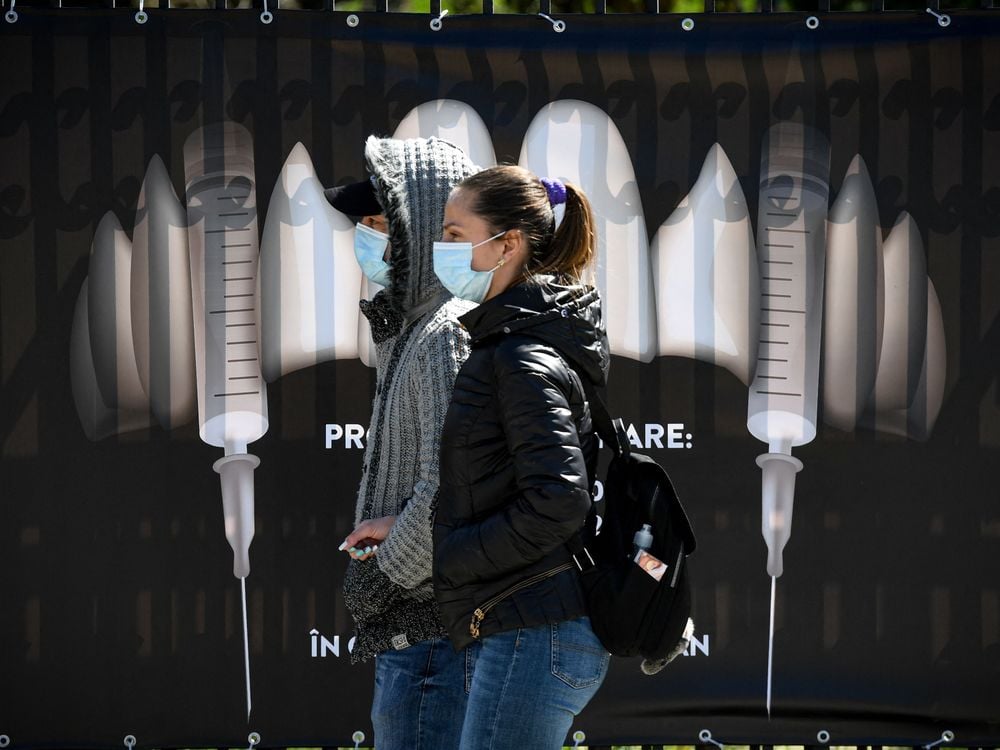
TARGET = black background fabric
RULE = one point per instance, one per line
(119, 613)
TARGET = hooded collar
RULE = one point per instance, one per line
(567, 317)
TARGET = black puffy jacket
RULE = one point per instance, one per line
(518, 454)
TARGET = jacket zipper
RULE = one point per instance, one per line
(480, 614)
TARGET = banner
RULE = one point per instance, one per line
(799, 258)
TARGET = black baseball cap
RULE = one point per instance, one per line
(354, 199)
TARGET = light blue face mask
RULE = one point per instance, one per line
(453, 266)
(369, 249)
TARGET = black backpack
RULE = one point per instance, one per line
(631, 612)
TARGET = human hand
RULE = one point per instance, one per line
(363, 542)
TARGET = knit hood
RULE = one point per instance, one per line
(413, 179)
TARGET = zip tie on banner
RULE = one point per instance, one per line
(943, 19)
(11, 17)
(823, 737)
(812, 22)
(129, 741)
(578, 737)
(436, 22)
(706, 737)
(267, 16)
(946, 736)
(687, 24)
(254, 739)
(559, 26)
(358, 738)
(141, 16)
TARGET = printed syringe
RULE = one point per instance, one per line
(791, 243)
(232, 397)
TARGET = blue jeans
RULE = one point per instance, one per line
(529, 684)
(420, 695)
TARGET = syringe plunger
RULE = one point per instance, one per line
(777, 494)
(236, 473)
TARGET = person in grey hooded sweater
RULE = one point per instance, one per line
(419, 680)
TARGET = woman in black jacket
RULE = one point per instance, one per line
(518, 454)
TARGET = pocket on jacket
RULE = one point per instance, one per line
(578, 658)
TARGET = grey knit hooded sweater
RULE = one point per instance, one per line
(420, 347)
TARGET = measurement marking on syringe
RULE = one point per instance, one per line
(768, 294)
(244, 377)
(778, 393)
(232, 197)
(229, 296)
(231, 343)
(240, 278)
(245, 359)
(238, 244)
(240, 393)
(242, 309)
(237, 213)
(780, 262)
(764, 377)
(791, 231)
(770, 359)
(223, 231)
(777, 325)
(765, 341)
(239, 325)
(778, 213)
(775, 309)
(775, 278)
(250, 260)
(773, 244)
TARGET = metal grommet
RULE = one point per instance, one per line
(943, 19)
(812, 22)
(353, 20)
(4, 740)
(947, 735)
(687, 24)
(10, 16)
(564, 312)
(578, 737)
(559, 26)
(254, 739)
(141, 16)
(822, 736)
(129, 741)
(506, 329)
(436, 24)
(358, 737)
(266, 17)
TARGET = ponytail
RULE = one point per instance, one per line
(573, 246)
(509, 197)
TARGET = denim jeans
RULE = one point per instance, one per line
(420, 695)
(529, 684)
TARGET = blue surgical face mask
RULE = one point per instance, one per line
(453, 266)
(369, 249)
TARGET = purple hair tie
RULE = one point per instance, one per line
(556, 191)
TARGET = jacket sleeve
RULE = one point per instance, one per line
(405, 554)
(549, 467)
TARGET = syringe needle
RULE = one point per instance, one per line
(246, 643)
(770, 647)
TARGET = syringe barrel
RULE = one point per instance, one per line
(791, 241)
(224, 248)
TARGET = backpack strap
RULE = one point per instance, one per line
(611, 430)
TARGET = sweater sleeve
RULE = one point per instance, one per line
(550, 470)
(405, 554)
